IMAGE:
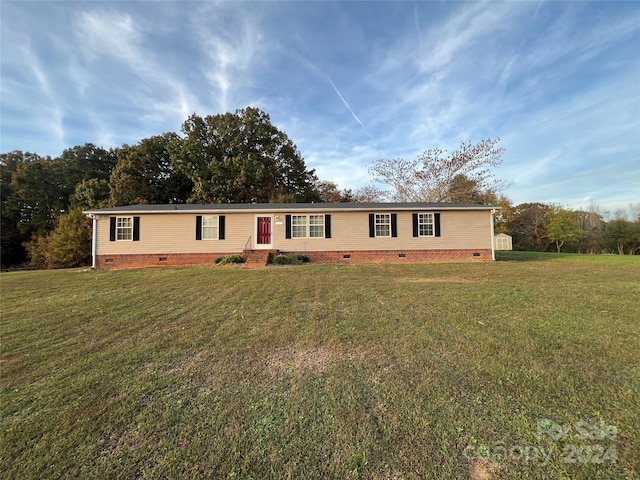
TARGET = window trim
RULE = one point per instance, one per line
(121, 230)
(115, 228)
(376, 224)
(220, 224)
(436, 224)
(393, 225)
(432, 223)
(297, 227)
(215, 219)
(310, 224)
(291, 226)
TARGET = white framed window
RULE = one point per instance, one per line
(298, 226)
(210, 227)
(316, 226)
(425, 225)
(124, 228)
(308, 226)
(383, 225)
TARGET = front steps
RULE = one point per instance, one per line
(258, 258)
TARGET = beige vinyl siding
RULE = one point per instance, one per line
(176, 233)
(350, 231)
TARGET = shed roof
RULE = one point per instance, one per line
(284, 207)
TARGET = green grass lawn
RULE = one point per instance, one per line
(521, 368)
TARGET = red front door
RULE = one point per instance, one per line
(264, 230)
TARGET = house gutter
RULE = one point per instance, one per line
(281, 208)
(493, 239)
(94, 237)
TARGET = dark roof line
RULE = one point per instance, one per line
(286, 207)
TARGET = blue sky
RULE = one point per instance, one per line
(349, 82)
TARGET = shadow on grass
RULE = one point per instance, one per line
(515, 256)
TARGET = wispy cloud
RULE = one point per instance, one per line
(557, 81)
(29, 89)
(115, 40)
(232, 47)
(54, 119)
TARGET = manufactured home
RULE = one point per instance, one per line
(192, 234)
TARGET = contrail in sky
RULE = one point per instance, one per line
(346, 104)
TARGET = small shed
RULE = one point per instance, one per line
(503, 242)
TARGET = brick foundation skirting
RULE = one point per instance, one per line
(399, 256)
(116, 262)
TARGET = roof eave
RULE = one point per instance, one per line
(283, 208)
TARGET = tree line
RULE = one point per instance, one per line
(238, 157)
(543, 227)
(242, 157)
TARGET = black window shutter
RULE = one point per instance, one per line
(198, 227)
(415, 224)
(372, 224)
(221, 223)
(288, 225)
(394, 224)
(327, 226)
(136, 229)
(436, 221)
(112, 229)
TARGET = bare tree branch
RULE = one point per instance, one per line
(430, 177)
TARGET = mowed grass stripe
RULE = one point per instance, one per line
(319, 371)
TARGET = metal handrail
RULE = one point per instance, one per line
(247, 247)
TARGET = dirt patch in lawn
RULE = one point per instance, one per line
(482, 469)
(437, 280)
(290, 360)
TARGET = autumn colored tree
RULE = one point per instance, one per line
(329, 191)
(68, 245)
(432, 176)
(527, 224)
(368, 194)
(504, 215)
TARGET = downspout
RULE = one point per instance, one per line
(493, 239)
(94, 237)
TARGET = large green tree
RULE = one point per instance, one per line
(81, 163)
(623, 236)
(144, 173)
(32, 198)
(241, 157)
(463, 189)
(12, 238)
(563, 226)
